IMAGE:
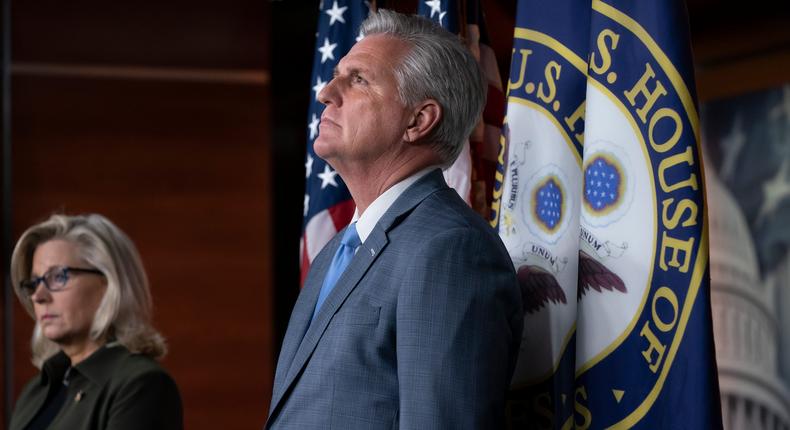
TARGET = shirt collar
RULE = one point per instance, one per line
(367, 221)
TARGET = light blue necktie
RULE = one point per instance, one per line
(343, 256)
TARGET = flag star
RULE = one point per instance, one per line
(308, 166)
(328, 177)
(313, 126)
(319, 85)
(336, 13)
(436, 7)
(306, 203)
(327, 51)
(360, 37)
(441, 17)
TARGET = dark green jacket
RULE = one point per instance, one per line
(112, 389)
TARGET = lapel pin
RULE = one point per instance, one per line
(372, 252)
(79, 396)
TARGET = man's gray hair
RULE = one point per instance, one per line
(438, 66)
(125, 310)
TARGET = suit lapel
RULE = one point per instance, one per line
(302, 336)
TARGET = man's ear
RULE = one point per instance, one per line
(425, 117)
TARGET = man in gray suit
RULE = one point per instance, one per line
(411, 317)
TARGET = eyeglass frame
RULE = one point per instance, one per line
(29, 286)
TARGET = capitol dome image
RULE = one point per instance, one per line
(745, 322)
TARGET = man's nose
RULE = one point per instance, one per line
(330, 93)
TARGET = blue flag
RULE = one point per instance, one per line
(653, 366)
(327, 203)
(629, 343)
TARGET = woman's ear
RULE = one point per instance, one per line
(426, 116)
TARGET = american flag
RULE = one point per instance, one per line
(327, 203)
(443, 12)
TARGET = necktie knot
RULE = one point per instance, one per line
(350, 237)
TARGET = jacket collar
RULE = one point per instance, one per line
(97, 367)
(425, 186)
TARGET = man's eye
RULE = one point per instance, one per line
(358, 79)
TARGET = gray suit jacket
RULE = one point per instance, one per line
(420, 332)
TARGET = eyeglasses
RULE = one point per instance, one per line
(55, 279)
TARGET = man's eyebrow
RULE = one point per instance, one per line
(350, 71)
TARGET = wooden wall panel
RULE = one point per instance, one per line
(232, 34)
(183, 168)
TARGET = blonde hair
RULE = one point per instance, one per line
(124, 313)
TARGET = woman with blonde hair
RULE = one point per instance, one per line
(82, 280)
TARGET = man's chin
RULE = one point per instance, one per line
(322, 149)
